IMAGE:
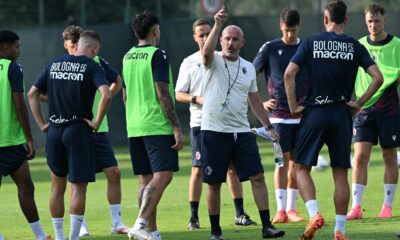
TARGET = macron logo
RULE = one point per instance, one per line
(280, 52)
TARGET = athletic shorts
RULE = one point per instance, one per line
(370, 128)
(218, 149)
(151, 154)
(11, 158)
(287, 135)
(195, 144)
(330, 124)
(103, 152)
(69, 151)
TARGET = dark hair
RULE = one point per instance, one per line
(142, 23)
(201, 21)
(90, 34)
(337, 10)
(290, 17)
(72, 33)
(8, 37)
(375, 9)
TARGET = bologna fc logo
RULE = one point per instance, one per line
(197, 155)
(208, 170)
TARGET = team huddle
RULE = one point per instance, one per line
(326, 89)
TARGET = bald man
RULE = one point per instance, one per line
(229, 84)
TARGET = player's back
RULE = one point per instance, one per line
(332, 61)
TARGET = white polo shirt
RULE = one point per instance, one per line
(189, 81)
(233, 89)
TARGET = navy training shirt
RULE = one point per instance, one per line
(15, 76)
(332, 62)
(111, 74)
(272, 59)
(70, 83)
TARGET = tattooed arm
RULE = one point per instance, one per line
(169, 111)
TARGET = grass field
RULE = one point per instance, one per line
(173, 211)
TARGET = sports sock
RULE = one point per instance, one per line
(390, 191)
(215, 227)
(37, 230)
(85, 225)
(357, 191)
(340, 223)
(140, 223)
(58, 225)
(115, 212)
(312, 207)
(75, 226)
(291, 198)
(265, 216)
(194, 210)
(238, 206)
(280, 196)
(156, 234)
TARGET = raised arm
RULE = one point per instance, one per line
(22, 115)
(169, 111)
(211, 43)
(259, 111)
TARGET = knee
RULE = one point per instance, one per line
(114, 175)
(390, 156)
(163, 178)
(258, 179)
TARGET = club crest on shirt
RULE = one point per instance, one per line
(244, 70)
(280, 52)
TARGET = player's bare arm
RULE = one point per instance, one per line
(377, 81)
(169, 111)
(211, 43)
(259, 111)
(34, 102)
(187, 98)
(104, 104)
(116, 86)
(290, 87)
(22, 115)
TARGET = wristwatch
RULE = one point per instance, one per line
(194, 99)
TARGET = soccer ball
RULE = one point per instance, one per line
(322, 164)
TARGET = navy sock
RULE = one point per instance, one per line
(239, 206)
(194, 209)
(264, 216)
(215, 227)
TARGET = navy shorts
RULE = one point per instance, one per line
(11, 158)
(103, 153)
(218, 149)
(330, 124)
(69, 151)
(370, 128)
(195, 144)
(151, 154)
(287, 135)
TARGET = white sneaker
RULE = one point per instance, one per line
(121, 229)
(84, 231)
(156, 235)
(140, 234)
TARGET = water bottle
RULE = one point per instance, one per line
(278, 155)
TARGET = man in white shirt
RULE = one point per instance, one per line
(229, 85)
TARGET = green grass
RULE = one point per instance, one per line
(173, 210)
